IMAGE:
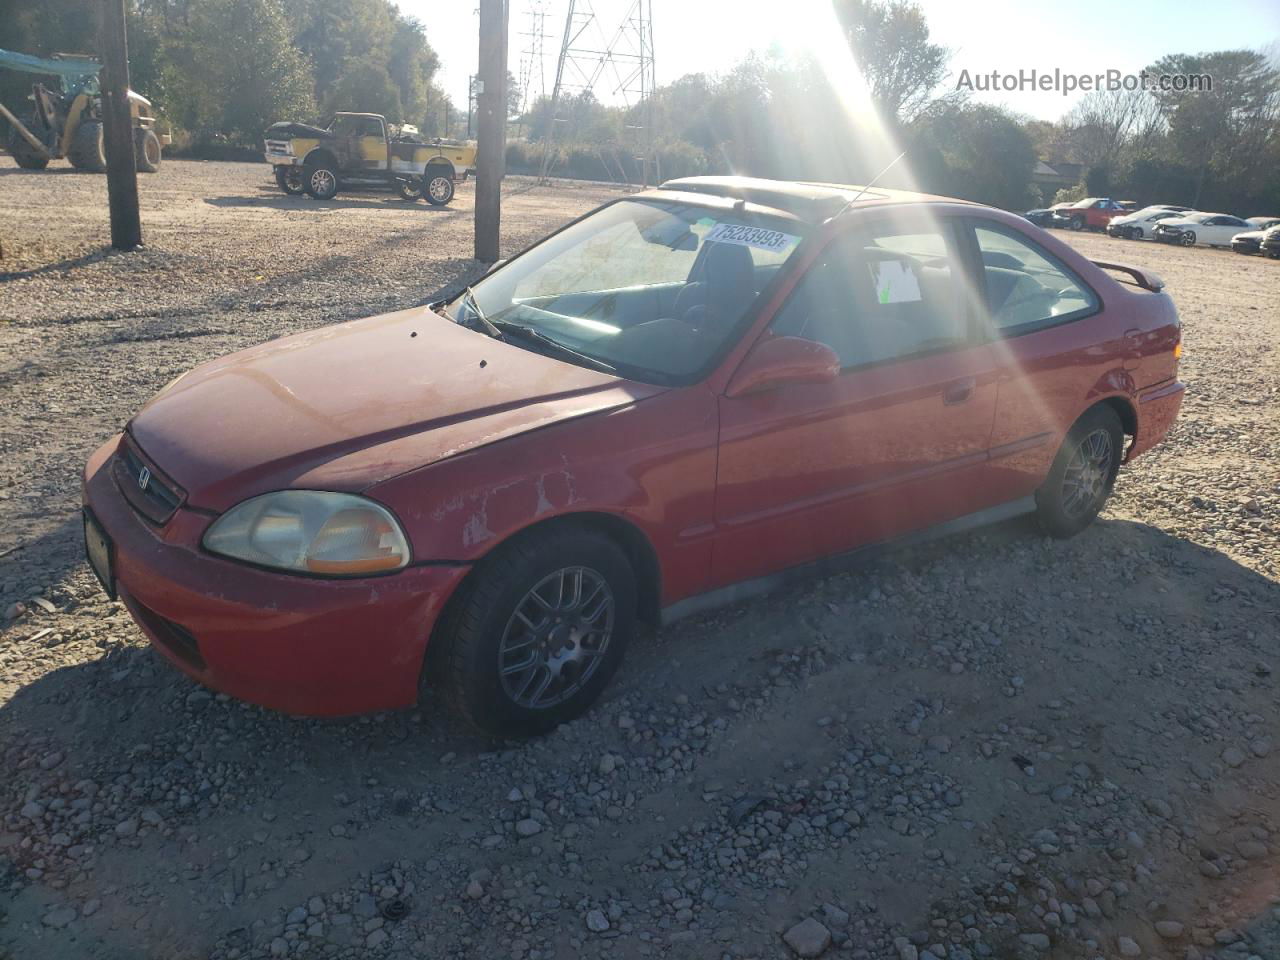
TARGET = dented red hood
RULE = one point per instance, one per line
(350, 405)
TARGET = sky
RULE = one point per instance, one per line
(710, 36)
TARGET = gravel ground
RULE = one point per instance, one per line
(994, 746)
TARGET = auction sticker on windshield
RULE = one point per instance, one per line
(757, 237)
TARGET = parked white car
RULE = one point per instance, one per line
(1204, 229)
(1141, 224)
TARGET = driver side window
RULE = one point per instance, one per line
(880, 295)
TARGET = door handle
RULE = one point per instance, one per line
(959, 391)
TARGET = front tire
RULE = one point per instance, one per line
(1076, 223)
(321, 182)
(1188, 239)
(1082, 475)
(289, 179)
(25, 155)
(411, 190)
(1135, 233)
(537, 632)
(86, 151)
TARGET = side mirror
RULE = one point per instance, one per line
(781, 360)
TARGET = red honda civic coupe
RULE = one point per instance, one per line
(677, 400)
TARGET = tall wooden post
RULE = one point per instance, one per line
(491, 146)
(117, 130)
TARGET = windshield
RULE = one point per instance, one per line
(655, 289)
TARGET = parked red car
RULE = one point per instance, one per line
(1092, 213)
(676, 400)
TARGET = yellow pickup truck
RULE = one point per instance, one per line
(361, 150)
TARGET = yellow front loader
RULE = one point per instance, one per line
(66, 121)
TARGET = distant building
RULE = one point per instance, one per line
(1057, 174)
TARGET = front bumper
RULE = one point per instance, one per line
(296, 644)
(1164, 236)
(1246, 246)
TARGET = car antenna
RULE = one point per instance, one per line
(872, 183)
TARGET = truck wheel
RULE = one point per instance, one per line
(438, 187)
(289, 179)
(146, 150)
(23, 153)
(86, 151)
(321, 181)
(411, 190)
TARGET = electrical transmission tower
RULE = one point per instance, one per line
(533, 78)
(617, 62)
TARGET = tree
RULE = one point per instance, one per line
(891, 46)
(979, 152)
(365, 86)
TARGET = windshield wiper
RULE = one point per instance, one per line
(537, 336)
(486, 325)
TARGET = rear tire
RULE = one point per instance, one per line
(146, 150)
(410, 190)
(1082, 475)
(437, 187)
(536, 633)
(25, 155)
(86, 151)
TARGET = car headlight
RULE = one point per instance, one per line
(311, 531)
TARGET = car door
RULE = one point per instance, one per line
(1035, 313)
(895, 443)
(372, 147)
(1222, 229)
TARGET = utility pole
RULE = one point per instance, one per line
(117, 130)
(491, 105)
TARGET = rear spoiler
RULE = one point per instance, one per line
(1143, 278)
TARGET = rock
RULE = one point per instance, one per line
(1260, 747)
(1233, 756)
(1128, 947)
(32, 811)
(376, 939)
(126, 828)
(91, 907)
(1159, 808)
(279, 947)
(59, 917)
(1037, 941)
(808, 938)
(297, 915)
(315, 906)
(528, 828)
(607, 764)
(597, 922)
(475, 890)
(1169, 929)
(835, 916)
(1252, 849)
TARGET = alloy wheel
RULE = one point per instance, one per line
(438, 188)
(556, 638)
(1084, 483)
(322, 182)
